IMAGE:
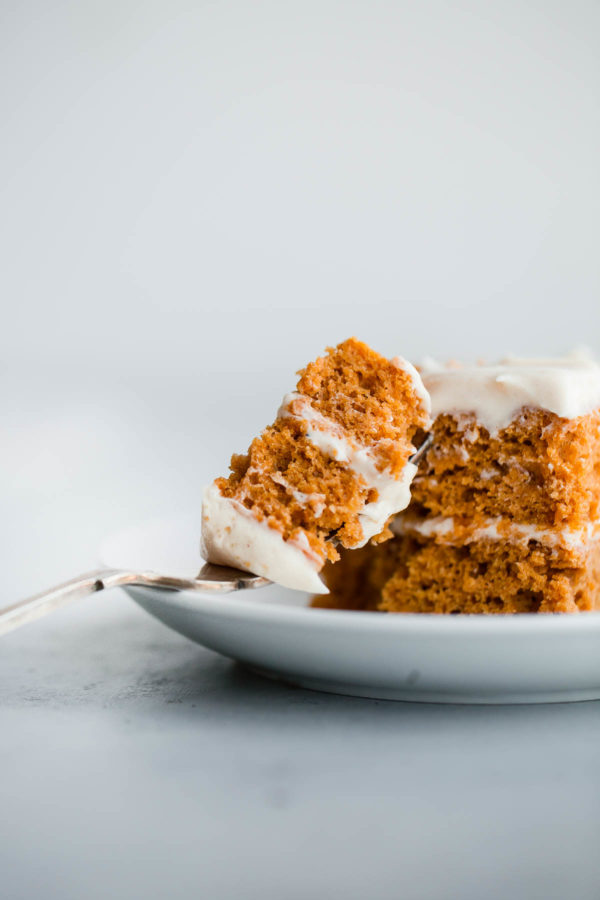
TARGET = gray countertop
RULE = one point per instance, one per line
(136, 764)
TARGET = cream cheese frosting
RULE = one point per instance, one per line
(232, 536)
(417, 382)
(447, 530)
(496, 394)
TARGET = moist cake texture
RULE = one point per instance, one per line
(334, 464)
(506, 504)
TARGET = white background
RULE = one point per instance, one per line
(199, 186)
(195, 198)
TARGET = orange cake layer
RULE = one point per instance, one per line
(333, 464)
(490, 576)
(541, 468)
(415, 574)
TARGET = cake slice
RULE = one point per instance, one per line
(506, 505)
(332, 469)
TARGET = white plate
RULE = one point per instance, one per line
(441, 659)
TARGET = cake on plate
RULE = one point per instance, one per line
(330, 472)
(505, 507)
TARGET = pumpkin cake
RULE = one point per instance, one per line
(330, 472)
(505, 507)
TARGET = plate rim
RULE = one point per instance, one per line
(241, 602)
(523, 623)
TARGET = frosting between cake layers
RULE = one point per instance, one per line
(316, 500)
(393, 493)
(232, 536)
(496, 394)
(447, 530)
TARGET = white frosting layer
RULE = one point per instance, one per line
(393, 493)
(496, 394)
(231, 536)
(447, 531)
(314, 500)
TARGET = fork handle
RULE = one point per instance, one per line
(34, 607)
(212, 579)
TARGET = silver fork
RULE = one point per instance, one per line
(210, 578)
(218, 579)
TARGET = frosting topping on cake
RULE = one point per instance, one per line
(417, 382)
(496, 394)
